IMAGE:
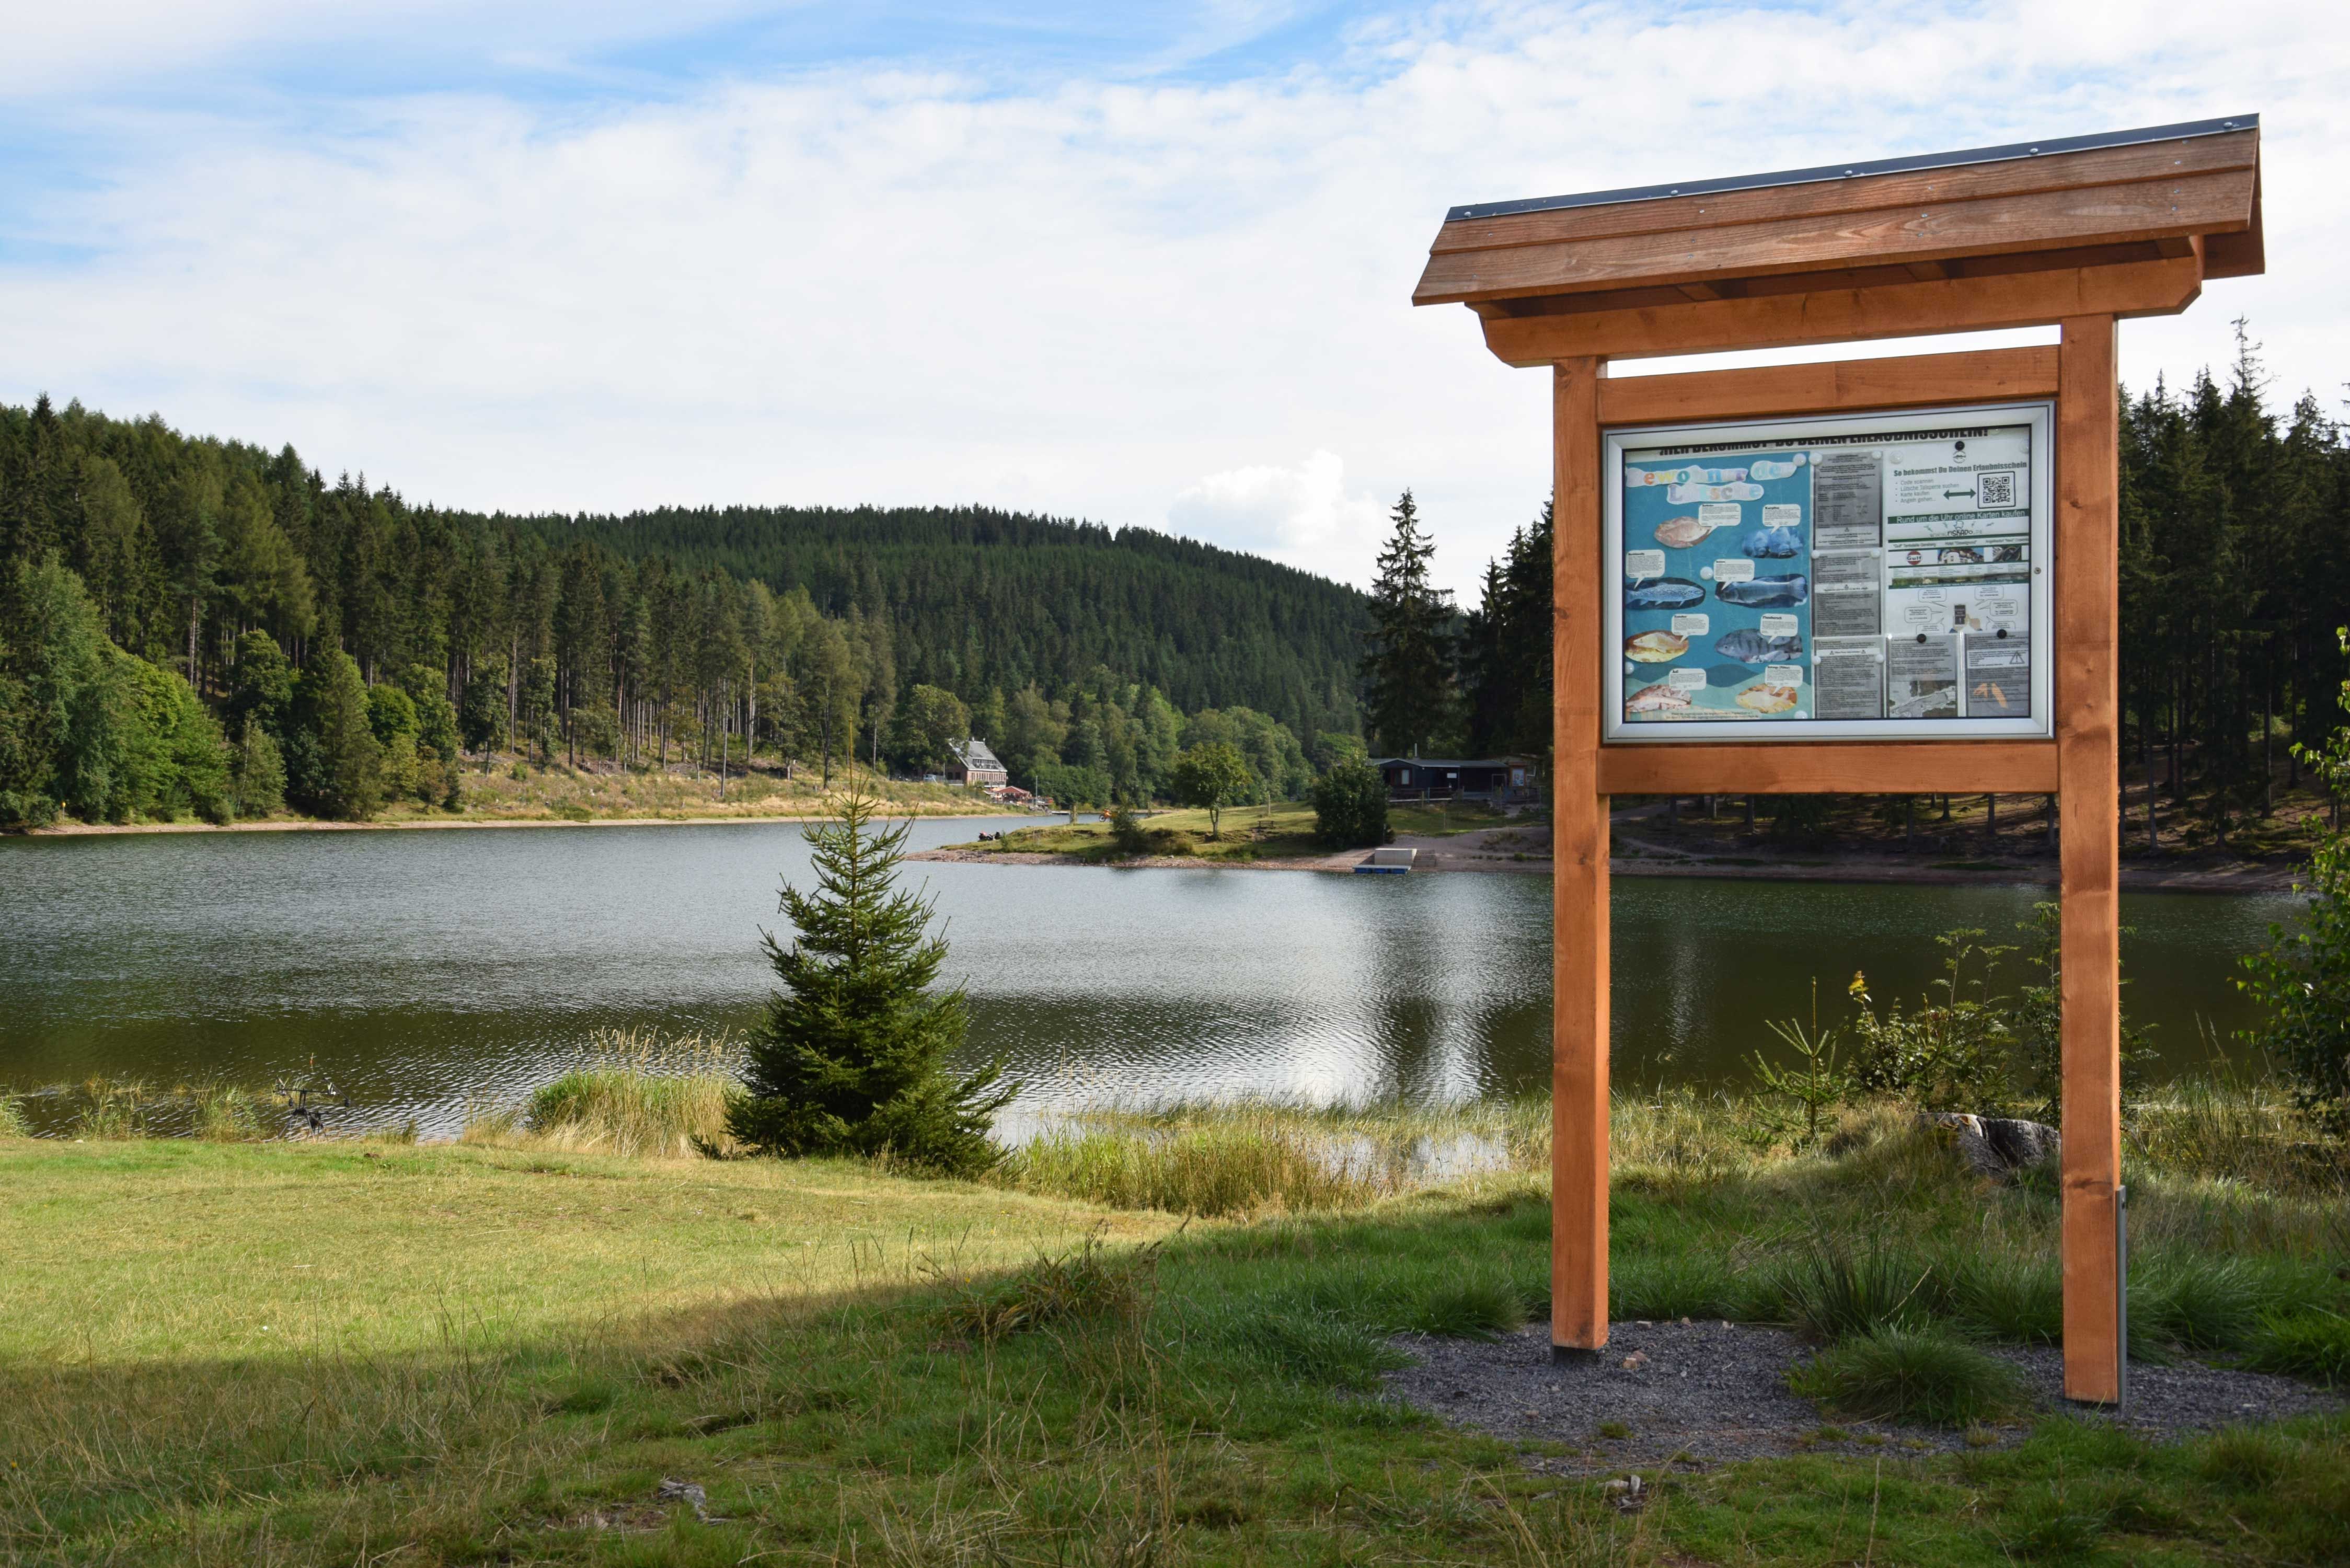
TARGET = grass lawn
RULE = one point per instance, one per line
(1282, 831)
(272, 1354)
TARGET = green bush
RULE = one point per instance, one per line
(1897, 1374)
(1350, 807)
(2301, 982)
(1126, 832)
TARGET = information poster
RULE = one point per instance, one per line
(1877, 575)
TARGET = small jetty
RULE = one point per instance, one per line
(1389, 861)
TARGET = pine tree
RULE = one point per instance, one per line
(852, 1057)
(1409, 668)
(333, 765)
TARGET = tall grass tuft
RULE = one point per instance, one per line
(12, 1118)
(2236, 1129)
(1255, 1165)
(225, 1113)
(114, 1108)
(1087, 1283)
(1897, 1374)
(613, 1110)
(1836, 1289)
(2312, 1344)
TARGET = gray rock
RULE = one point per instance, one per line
(1998, 1146)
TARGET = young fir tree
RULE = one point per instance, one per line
(1409, 670)
(853, 1056)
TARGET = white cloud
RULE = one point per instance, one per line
(1300, 515)
(1079, 296)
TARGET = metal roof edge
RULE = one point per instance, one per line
(2043, 149)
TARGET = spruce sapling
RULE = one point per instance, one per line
(853, 1056)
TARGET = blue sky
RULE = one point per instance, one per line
(1147, 264)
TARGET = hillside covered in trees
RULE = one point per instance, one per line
(160, 584)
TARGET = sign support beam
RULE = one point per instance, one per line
(1579, 881)
(2088, 718)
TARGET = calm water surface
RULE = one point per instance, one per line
(428, 971)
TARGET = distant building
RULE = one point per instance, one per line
(1501, 780)
(973, 763)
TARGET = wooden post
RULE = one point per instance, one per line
(1578, 1250)
(2088, 704)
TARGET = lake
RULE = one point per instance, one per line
(432, 970)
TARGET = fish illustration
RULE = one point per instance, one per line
(1664, 593)
(1656, 699)
(1681, 533)
(1768, 699)
(1752, 647)
(1771, 543)
(1766, 593)
(1655, 646)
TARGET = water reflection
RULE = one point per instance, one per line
(426, 970)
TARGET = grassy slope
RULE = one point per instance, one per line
(1250, 833)
(505, 1350)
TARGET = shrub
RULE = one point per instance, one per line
(2301, 982)
(1125, 831)
(1897, 1374)
(1956, 1051)
(1350, 806)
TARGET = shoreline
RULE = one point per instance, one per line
(2241, 877)
(112, 829)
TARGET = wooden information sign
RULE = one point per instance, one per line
(1892, 576)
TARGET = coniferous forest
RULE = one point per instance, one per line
(197, 627)
(193, 626)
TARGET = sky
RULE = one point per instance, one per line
(1147, 264)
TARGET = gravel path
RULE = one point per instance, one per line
(1717, 1391)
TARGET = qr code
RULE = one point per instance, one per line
(1995, 489)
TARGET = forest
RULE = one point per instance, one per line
(197, 627)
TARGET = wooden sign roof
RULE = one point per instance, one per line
(2129, 223)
